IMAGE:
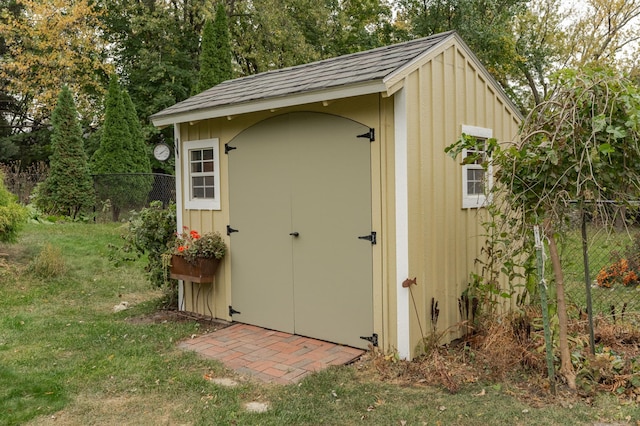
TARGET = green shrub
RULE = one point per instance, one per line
(151, 231)
(12, 214)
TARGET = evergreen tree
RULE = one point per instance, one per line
(120, 156)
(215, 56)
(69, 187)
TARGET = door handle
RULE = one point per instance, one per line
(295, 234)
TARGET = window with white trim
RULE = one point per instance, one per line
(476, 181)
(201, 174)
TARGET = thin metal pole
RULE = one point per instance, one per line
(587, 281)
(542, 289)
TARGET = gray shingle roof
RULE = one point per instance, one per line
(357, 68)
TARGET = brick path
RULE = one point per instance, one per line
(271, 356)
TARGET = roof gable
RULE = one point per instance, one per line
(349, 75)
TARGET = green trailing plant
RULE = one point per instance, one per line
(582, 144)
(150, 232)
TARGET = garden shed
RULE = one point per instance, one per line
(330, 184)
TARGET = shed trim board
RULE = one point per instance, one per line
(416, 96)
(402, 222)
(179, 202)
(273, 103)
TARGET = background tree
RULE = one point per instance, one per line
(486, 26)
(119, 157)
(601, 30)
(68, 189)
(49, 44)
(541, 49)
(215, 55)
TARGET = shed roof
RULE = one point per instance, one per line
(349, 75)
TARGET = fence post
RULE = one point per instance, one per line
(587, 280)
(542, 289)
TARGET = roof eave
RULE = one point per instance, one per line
(265, 104)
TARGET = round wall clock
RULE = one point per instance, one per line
(162, 152)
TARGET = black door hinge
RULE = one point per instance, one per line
(373, 339)
(371, 237)
(228, 148)
(230, 230)
(371, 135)
(233, 311)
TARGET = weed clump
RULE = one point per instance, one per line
(49, 263)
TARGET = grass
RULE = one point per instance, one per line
(68, 359)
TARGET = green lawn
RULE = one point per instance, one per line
(67, 359)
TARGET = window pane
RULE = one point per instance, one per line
(209, 181)
(207, 154)
(198, 192)
(196, 155)
(207, 166)
(475, 181)
(208, 192)
(196, 167)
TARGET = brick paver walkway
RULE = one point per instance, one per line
(271, 356)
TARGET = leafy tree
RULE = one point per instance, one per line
(155, 47)
(69, 187)
(601, 30)
(49, 44)
(119, 155)
(486, 26)
(581, 145)
(12, 214)
(215, 56)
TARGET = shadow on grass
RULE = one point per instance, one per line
(24, 397)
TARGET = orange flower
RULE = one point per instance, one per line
(181, 249)
(194, 235)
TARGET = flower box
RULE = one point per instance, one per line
(202, 270)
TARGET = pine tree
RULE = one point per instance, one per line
(69, 187)
(120, 156)
(140, 161)
(215, 56)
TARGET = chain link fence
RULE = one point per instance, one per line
(612, 263)
(119, 194)
(116, 194)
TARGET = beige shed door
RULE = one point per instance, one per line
(300, 196)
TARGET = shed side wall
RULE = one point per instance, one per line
(444, 238)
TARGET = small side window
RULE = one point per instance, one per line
(201, 176)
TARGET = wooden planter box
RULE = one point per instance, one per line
(201, 271)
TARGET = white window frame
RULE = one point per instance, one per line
(474, 201)
(191, 203)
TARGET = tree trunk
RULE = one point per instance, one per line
(566, 368)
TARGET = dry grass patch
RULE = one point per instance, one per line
(125, 410)
(510, 353)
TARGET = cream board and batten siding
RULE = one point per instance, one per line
(444, 94)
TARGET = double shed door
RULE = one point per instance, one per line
(300, 196)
